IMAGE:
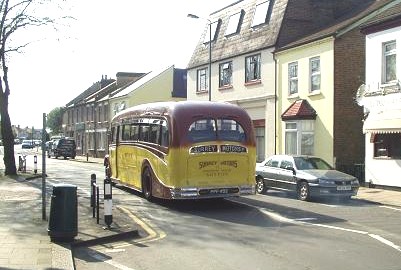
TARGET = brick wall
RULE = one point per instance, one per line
(349, 74)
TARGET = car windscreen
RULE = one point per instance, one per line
(311, 163)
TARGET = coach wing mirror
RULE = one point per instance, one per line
(109, 138)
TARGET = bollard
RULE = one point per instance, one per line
(93, 181)
(87, 156)
(108, 202)
(24, 163)
(20, 163)
(97, 204)
(35, 164)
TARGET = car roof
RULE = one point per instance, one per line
(289, 156)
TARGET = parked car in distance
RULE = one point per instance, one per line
(27, 144)
(308, 176)
(64, 147)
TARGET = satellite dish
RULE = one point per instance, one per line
(359, 94)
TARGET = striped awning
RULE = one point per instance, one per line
(383, 122)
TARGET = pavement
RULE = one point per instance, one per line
(24, 239)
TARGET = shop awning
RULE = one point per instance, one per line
(383, 122)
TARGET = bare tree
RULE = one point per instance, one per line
(17, 16)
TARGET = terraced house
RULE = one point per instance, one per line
(294, 66)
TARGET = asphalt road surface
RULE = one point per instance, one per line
(272, 231)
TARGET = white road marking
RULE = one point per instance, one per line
(385, 241)
(283, 219)
(335, 228)
(117, 265)
(305, 219)
(330, 205)
(114, 250)
(392, 208)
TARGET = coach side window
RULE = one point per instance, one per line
(134, 132)
(144, 133)
(126, 132)
(154, 133)
(164, 135)
(113, 134)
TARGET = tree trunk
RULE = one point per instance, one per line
(8, 137)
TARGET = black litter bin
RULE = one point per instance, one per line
(63, 219)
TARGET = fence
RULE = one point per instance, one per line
(357, 170)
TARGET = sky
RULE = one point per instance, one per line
(105, 37)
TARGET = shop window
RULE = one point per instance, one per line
(387, 145)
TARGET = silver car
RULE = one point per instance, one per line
(308, 176)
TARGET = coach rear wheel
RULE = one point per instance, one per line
(147, 184)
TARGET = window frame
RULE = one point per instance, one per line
(385, 55)
(215, 26)
(224, 71)
(313, 74)
(202, 77)
(234, 24)
(260, 10)
(250, 63)
(292, 79)
(300, 129)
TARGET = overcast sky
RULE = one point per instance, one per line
(107, 37)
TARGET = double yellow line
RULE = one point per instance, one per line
(154, 233)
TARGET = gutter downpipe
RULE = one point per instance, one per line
(275, 103)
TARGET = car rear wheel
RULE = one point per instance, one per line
(303, 191)
(260, 186)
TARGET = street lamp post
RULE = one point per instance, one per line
(210, 52)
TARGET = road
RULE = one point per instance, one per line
(272, 231)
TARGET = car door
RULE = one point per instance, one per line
(271, 172)
(287, 179)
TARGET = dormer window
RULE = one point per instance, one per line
(215, 27)
(234, 23)
(262, 14)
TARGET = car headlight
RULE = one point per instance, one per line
(355, 182)
(326, 182)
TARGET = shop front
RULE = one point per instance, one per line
(382, 128)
